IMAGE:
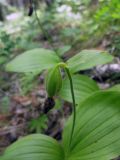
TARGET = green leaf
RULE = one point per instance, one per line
(87, 59)
(97, 130)
(58, 104)
(83, 87)
(53, 81)
(61, 51)
(33, 61)
(114, 88)
(96, 135)
(34, 147)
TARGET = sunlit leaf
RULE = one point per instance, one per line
(33, 61)
(83, 87)
(34, 147)
(97, 129)
(87, 59)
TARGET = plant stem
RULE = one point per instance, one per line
(74, 105)
(46, 34)
(64, 65)
(43, 30)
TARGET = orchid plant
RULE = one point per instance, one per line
(93, 130)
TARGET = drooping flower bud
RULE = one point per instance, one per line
(53, 81)
(48, 105)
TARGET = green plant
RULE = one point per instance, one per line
(96, 134)
(38, 124)
(38, 60)
(115, 44)
(92, 132)
(6, 46)
(107, 16)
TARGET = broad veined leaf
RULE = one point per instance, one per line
(96, 135)
(34, 147)
(114, 88)
(83, 87)
(87, 59)
(97, 129)
(33, 61)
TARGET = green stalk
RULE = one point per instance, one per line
(64, 65)
(43, 30)
(46, 34)
(74, 105)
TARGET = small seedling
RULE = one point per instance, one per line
(39, 124)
